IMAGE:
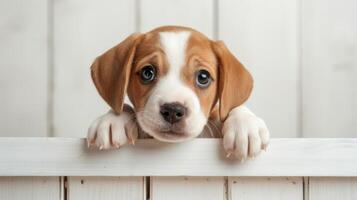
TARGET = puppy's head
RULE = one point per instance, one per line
(174, 76)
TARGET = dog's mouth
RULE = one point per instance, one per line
(171, 129)
(163, 131)
(173, 137)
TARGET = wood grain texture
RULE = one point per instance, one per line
(83, 31)
(30, 188)
(108, 188)
(23, 68)
(263, 35)
(199, 157)
(332, 188)
(329, 60)
(197, 14)
(188, 188)
(278, 188)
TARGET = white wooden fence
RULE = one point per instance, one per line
(65, 169)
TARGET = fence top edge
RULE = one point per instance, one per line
(199, 157)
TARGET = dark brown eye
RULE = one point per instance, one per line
(147, 74)
(203, 78)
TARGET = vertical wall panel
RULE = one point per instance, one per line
(329, 60)
(332, 188)
(265, 188)
(188, 188)
(23, 68)
(197, 14)
(83, 31)
(264, 37)
(108, 188)
(30, 188)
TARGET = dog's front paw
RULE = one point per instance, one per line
(112, 131)
(244, 134)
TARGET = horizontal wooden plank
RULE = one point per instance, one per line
(199, 157)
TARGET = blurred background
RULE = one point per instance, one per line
(302, 54)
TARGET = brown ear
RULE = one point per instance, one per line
(235, 82)
(110, 71)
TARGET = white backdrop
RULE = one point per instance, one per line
(302, 53)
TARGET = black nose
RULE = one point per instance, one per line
(173, 112)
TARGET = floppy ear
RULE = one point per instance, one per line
(235, 82)
(110, 71)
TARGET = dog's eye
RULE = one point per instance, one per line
(203, 78)
(148, 74)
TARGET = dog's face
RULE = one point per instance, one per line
(174, 77)
(173, 84)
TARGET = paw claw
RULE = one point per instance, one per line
(132, 142)
(116, 145)
(264, 147)
(244, 134)
(108, 131)
(90, 143)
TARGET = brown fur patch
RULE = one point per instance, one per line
(199, 55)
(149, 51)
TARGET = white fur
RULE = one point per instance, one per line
(170, 88)
(244, 134)
(99, 132)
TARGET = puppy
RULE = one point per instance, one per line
(182, 85)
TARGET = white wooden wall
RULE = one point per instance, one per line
(24, 68)
(329, 68)
(302, 53)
